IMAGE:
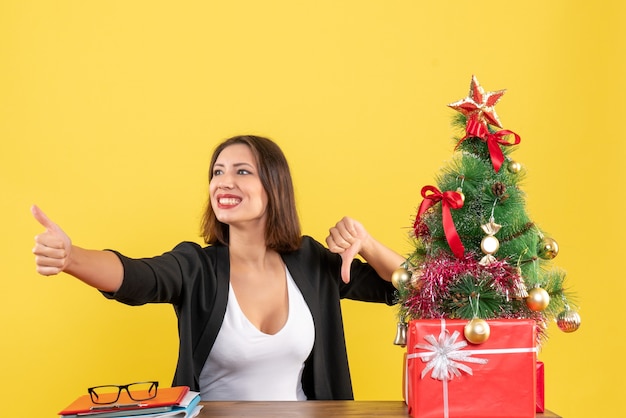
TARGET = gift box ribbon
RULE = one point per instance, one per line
(445, 358)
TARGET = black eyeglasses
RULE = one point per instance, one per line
(138, 391)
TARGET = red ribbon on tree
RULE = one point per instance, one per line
(493, 143)
(476, 128)
(449, 200)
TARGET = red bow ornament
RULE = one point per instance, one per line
(449, 200)
(494, 140)
(476, 128)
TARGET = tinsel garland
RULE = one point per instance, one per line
(432, 291)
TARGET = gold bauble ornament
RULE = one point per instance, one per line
(416, 282)
(538, 299)
(568, 320)
(460, 191)
(400, 277)
(547, 248)
(477, 331)
(514, 167)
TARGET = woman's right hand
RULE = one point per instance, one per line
(52, 247)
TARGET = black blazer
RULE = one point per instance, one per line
(195, 280)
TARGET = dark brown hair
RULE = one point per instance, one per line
(282, 231)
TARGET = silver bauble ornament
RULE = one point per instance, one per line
(400, 277)
(568, 320)
(477, 331)
(538, 299)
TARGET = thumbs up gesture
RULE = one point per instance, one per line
(52, 247)
(346, 238)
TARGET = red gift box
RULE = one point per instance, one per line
(540, 387)
(448, 377)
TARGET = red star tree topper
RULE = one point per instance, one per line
(479, 106)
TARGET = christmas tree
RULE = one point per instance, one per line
(477, 253)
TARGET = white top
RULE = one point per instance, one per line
(248, 365)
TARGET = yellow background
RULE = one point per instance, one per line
(109, 111)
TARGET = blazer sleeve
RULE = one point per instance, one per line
(365, 284)
(157, 279)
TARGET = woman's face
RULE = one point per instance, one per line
(237, 195)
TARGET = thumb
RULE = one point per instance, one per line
(42, 218)
(346, 259)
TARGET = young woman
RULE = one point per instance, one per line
(258, 309)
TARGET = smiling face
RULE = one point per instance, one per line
(237, 194)
(238, 165)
